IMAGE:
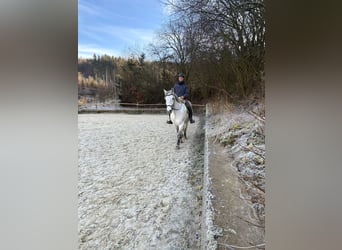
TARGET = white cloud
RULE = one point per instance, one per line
(87, 51)
(88, 8)
(115, 34)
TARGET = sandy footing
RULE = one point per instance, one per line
(136, 191)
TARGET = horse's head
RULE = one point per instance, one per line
(170, 99)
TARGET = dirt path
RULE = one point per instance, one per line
(136, 191)
(234, 214)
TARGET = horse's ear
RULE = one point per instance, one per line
(165, 92)
(172, 91)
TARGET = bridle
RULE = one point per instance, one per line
(168, 105)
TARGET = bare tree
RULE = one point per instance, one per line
(227, 28)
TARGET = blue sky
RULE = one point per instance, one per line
(115, 27)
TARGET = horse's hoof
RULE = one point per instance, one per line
(177, 147)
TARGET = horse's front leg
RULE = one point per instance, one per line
(182, 132)
(179, 138)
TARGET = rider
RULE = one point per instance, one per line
(182, 91)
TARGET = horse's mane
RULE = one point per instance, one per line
(171, 92)
(176, 96)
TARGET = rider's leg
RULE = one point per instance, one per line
(188, 106)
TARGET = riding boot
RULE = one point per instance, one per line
(169, 121)
(190, 111)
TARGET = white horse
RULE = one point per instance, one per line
(178, 114)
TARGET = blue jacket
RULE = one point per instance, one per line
(181, 89)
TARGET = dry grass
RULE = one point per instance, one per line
(82, 101)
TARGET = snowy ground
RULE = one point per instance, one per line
(136, 191)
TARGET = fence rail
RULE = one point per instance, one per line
(153, 104)
(133, 108)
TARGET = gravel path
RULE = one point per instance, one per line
(136, 191)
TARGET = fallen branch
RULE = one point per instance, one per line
(252, 150)
(259, 188)
(238, 247)
(262, 190)
(251, 223)
(257, 116)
